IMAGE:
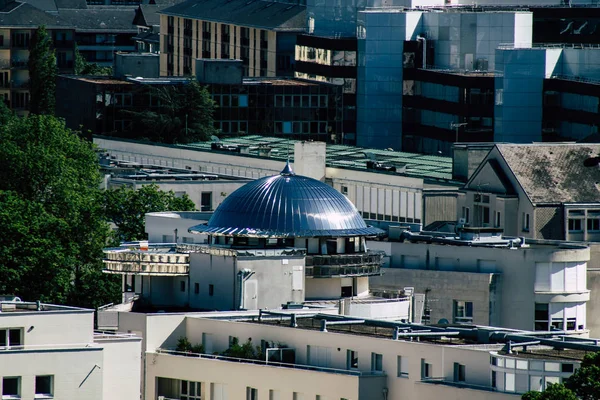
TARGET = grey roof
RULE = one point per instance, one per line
(99, 19)
(251, 13)
(286, 205)
(20, 14)
(147, 15)
(71, 4)
(555, 173)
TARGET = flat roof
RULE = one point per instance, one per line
(28, 306)
(344, 156)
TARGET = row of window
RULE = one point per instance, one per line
(189, 390)
(44, 387)
(577, 219)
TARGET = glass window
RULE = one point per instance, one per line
(521, 364)
(552, 366)
(11, 387)
(463, 311)
(352, 359)
(593, 225)
(243, 100)
(509, 385)
(510, 363)
(376, 362)
(575, 225)
(44, 386)
(541, 316)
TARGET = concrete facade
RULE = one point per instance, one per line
(381, 367)
(495, 280)
(39, 358)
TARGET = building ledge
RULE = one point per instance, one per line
(562, 297)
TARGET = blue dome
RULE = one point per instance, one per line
(286, 205)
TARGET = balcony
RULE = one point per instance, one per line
(19, 64)
(23, 85)
(339, 265)
(156, 261)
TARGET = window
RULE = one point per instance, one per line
(191, 390)
(298, 396)
(274, 394)
(206, 201)
(593, 224)
(525, 222)
(11, 387)
(10, 337)
(575, 225)
(463, 312)
(196, 288)
(345, 190)
(426, 369)
(498, 219)
(494, 379)
(44, 386)
(211, 289)
(182, 286)
(402, 364)
(251, 393)
(376, 362)
(459, 372)
(351, 359)
(541, 316)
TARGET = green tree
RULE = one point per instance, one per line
(556, 391)
(84, 67)
(126, 208)
(185, 114)
(53, 224)
(42, 73)
(585, 382)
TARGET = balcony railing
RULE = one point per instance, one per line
(462, 385)
(271, 363)
(140, 262)
(362, 264)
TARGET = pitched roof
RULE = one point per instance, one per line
(19, 14)
(99, 19)
(555, 173)
(250, 13)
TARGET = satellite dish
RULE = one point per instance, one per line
(443, 321)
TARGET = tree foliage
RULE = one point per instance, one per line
(50, 210)
(584, 384)
(556, 391)
(184, 115)
(84, 67)
(585, 381)
(42, 73)
(126, 208)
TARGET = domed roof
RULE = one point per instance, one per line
(286, 205)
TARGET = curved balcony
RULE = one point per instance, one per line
(157, 262)
(340, 265)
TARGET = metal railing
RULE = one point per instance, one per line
(344, 264)
(462, 385)
(270, 363)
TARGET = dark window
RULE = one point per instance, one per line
(211, 289)
(196, 288)
(206, 201)
(182, 286)
(43, 386)
(11, 386)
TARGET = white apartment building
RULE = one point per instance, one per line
(481, 278)
(306, 356)
(52, 352)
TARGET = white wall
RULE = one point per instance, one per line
(48, 327)
(122, 368)
(77, 372)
